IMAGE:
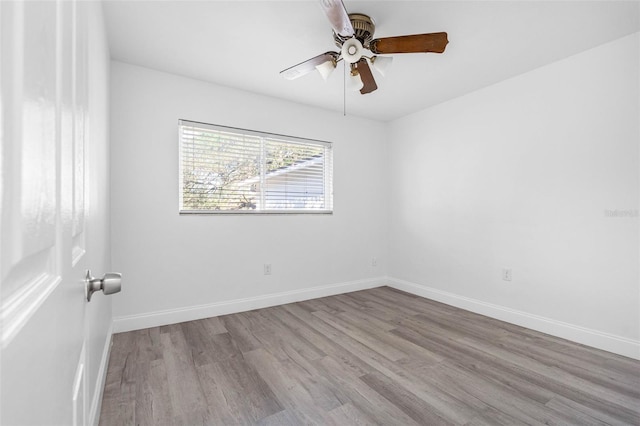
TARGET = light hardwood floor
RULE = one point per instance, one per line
(378, 356)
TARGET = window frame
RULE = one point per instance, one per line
(327, 176)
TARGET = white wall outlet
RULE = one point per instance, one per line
(267, 269)
(506, 274)
(374, 262)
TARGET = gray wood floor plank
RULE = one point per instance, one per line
(316, 305)
(412, 405)
(188, 401)
(435, 381)
(281, 418)
(432, 395)
(382, 334)
(158, 386)
(556, 374)
(348, 414)
(371, 341)
(392, 306)
(326, 396)
(144, 404)
(242, 336)
(296, 336)
(378, 356)
(222, 409)
(207, 347)
(363, 316)
(588, 370)
(374, 359)
(277, 339)
(565, 405)
(319, 340)
(501, 398)
(470, 358)
(289, 390)
(580, 416)
(407, 301)
(362, 396)
(361, 352)
(215, 325)
(236, 393)
(493, 417)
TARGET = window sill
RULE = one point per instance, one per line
(255, 213)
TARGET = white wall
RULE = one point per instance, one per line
(175, 263)
(519, 175)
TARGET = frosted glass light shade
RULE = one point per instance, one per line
(352, 50)
(326, 68)
(382, 63)
(354, 82)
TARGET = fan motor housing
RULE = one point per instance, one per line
(363, 28)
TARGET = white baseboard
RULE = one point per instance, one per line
(190, 313)
(597, 339)
(594, 338)
(96, 402)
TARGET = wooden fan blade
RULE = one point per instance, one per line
(307, 66)
(338, 17)
(367, 77)
(433, 42)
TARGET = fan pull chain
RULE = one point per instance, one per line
(344, 89)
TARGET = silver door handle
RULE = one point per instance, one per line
(110, 283)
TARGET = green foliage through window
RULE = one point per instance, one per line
(232, 170)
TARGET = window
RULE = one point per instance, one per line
(227, 170)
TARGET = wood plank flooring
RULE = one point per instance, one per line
(378, 356)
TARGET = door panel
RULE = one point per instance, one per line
(30, 246)
(79, 392)
(80, 129)
(47, 339)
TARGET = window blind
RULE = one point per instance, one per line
(228, 170)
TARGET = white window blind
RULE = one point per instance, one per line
(228, 170)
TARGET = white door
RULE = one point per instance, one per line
(45, 189)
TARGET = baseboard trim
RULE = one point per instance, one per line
(594, 338)
(96, 402)
(173, 316)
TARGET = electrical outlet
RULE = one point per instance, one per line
(374, 262)
(267, 269)
(506, 274)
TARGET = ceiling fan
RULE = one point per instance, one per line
(353, 34)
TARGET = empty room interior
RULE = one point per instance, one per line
(319, 212)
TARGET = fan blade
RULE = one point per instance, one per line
(307, 66)
(338, 17)
(433, 42)
(367, 77)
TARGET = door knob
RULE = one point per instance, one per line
(110, 283)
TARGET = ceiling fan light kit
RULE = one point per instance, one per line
(353, 34)
(381, 63)
(326, 68)
(354, 82)
(352, 50)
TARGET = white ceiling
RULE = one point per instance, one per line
(245, 44)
